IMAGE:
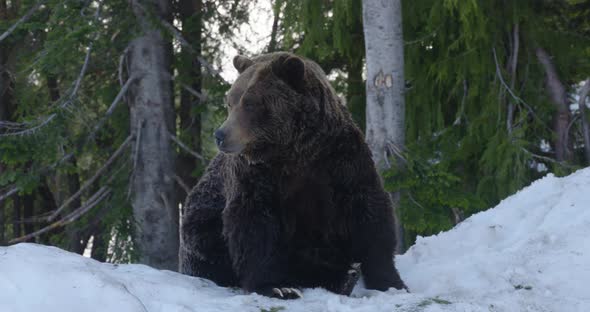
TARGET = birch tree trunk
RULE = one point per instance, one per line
(152, 121)
(384, 47)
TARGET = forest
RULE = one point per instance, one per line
(99, 146)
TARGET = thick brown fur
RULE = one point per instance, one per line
(296, 198)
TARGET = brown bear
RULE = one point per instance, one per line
(293, 200)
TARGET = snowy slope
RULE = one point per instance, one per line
(530, 253)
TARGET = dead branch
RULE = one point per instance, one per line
(95, 199)
(90, 181)
(541, 157)
(111, 109)
(202, 97)
(30, 130)
(514, 96)
(499, 74)
(9, 193)
(512, 67)
(186, 148)
(11, 125)
(182, 184)
(81, 74)
(23, 19)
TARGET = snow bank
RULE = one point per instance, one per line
(530, 253)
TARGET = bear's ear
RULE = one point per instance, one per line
(291, 70)
(241, 63)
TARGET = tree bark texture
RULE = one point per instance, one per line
(385, 108)
(584, 92)
(558, 96)
(152, 121)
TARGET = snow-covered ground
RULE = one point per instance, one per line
(530, 253)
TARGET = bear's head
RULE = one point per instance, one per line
(276, 101)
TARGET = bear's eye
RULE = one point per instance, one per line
(248, 104)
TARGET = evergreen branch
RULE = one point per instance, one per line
(90, 181)
(95, 199)
(187, 148)
(76, 85)
(45, 170)
(23, 19)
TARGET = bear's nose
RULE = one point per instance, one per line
(219, 137)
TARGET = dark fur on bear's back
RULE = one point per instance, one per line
(301, 201)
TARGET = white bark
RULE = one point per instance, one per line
(382, 22)
(384, 46)
(152, 114)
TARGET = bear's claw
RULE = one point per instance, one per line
(286, 293)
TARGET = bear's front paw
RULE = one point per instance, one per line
(281, 292)
(352, 277)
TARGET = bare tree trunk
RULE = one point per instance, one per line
(152, 121)
(585, 128)
(272, 45)
(384, 47)
(16, 216)
(28, 211)
(99, 244)
(45, 204)
(558, 95)
(190, 118)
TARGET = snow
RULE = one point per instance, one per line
(530, 253)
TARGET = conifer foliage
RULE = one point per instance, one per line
(492, 102)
